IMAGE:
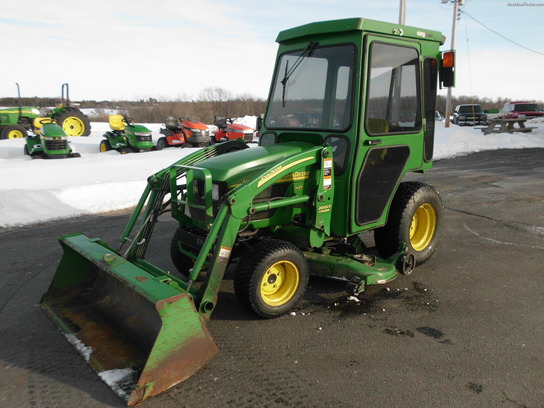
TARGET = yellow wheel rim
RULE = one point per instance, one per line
(423, 227)
(280, 283)
(15, 134)
(103, 147)
(73, 126)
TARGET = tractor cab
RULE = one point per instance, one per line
(367, 89)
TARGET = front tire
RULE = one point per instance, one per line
(415, 219)
(182, 262)
(271, 278)
(162, 143)
(105, 146)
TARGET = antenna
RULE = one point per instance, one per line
(402, 12)
(457, 3)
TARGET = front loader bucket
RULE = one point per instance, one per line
(141, 335)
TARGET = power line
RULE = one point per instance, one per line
(499, 34)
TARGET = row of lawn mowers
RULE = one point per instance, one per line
(127, 137)
(50, 141)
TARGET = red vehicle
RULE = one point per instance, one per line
(523, 110)
(180, 132)
(228, 130)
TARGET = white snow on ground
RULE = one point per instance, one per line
(37, 190)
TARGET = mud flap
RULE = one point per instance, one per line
(140, 334)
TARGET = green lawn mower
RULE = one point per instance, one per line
(351, 111)
(126, 137)
(48, 142)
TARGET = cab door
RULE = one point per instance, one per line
(391, 130)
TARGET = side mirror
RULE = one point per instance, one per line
(259, 123)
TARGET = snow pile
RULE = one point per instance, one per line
(34, 191)
(458, 141)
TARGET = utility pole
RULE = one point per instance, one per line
(402, 12)
(457, 3)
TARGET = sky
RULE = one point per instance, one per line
(174, 49)
(100, 182)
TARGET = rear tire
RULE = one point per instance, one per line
(271, 278)
(13, 132)
(415, 219)
(73, 122)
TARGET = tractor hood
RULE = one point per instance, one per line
(236, 167)
(138, 130)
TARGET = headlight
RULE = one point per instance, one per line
(219, 190)
(142, 133)
(195, 132)
(215, 192)
(54, 138)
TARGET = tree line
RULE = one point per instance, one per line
(209, 102)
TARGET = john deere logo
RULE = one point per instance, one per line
(280, 169)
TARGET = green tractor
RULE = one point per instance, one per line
(49, 142)
(350, 113)
(15, 123)
(126, 137)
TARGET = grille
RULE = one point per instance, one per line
(277, 190)
(143, 138)
(56, 144)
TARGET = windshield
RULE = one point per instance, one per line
(527, 107)
(313, 89)
(471, 108)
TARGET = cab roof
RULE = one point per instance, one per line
(359, 24)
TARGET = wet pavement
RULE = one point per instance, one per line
(464, 330)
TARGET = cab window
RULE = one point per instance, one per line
(393, 98)
(313, 89)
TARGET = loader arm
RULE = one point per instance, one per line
(238, 205)
(152, 201)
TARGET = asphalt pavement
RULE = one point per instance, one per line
(466, 329)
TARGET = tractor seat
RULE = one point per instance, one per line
(39, 122)
(172, 123)
(116, 122)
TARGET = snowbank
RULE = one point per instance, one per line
(34, 191)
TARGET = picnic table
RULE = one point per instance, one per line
(506, 126)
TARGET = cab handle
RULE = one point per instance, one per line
(373, 142)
